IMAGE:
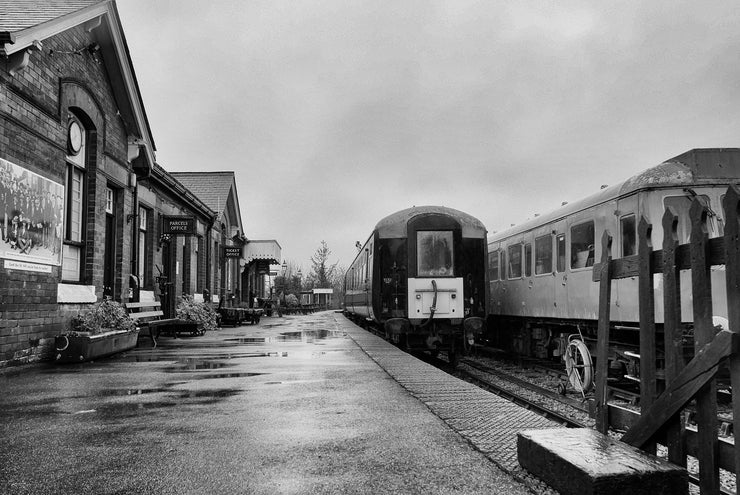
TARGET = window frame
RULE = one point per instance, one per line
(513, 249)
(592, 245)
(560, 257)
(549, 243)
(622, 236)
(76, 171)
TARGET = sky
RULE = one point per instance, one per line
(335, 114)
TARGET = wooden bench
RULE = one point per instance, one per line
(236, 316)
(148, 315)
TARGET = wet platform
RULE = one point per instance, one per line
(299, 404)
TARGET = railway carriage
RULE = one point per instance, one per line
(420, 278)
(543, 301)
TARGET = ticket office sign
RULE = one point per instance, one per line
(232, 252)
(178, 225)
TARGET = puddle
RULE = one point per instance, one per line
(311, 336)
(225, 375)
(125, 392)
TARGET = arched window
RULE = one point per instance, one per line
(74, 225)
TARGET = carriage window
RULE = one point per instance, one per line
(681, 206)
(434, 254)
(515, 261)
(543, 255)
(628, 228)
(560, 241)
(493, 265)
(528, 259)
(582, 245)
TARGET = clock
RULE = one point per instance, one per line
(74, 137)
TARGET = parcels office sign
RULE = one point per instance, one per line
(178, 225)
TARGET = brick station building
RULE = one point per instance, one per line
(83, 202)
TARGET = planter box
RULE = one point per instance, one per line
(79, 348)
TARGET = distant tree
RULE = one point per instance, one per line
(337, 283)
(321, 272)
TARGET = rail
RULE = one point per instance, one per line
(661, 411)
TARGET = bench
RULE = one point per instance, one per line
(148, 315)
(583, 461)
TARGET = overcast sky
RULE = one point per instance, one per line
(335, 114)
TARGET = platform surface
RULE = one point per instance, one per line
(298, 404)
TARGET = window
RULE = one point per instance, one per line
(681, 206)
(493, 265)
(582, 245)
(200, 270)
(434, 254)
(528, 259)
(560, 246)
(628, 228)
(142, 256)
(515, 261)
(543, 255)
(72, 252)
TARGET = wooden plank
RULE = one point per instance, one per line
(629, 266)
(689, 381)
(602, 344)
(732, 273)
(672, 332)
(706, 398)
(646, 296)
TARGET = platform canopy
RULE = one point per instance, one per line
(263, 250)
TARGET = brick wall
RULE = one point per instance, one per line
(33, 120)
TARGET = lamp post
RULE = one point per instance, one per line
(285, 282)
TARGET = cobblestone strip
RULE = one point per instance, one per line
(488, 422)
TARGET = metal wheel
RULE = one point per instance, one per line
(579, 365)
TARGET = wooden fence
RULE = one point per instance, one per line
(660, 419)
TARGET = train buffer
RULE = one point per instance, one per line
(583, 461)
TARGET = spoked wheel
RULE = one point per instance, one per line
(579, 365)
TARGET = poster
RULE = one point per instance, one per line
(31, 216)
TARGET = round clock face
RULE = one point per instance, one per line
(74, 137)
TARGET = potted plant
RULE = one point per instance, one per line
(200, 313)
(103, 330)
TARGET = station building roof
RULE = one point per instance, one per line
(26, 24)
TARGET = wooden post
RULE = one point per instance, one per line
(672, 332)
(732, 273)
(602, 345)
(706, 399)
(646, 296)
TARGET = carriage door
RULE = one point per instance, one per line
(109, 258)
(560, 304)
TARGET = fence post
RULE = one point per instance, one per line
(706, 398)
(672, 332)
(602, 345)
(646, 294)
(732, 273)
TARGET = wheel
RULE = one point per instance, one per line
(579, 365)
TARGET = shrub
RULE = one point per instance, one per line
(199, 312)
(291, 301)
(103, 315)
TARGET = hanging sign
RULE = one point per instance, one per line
(178, 225)
(263, 267)
(233, 251)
